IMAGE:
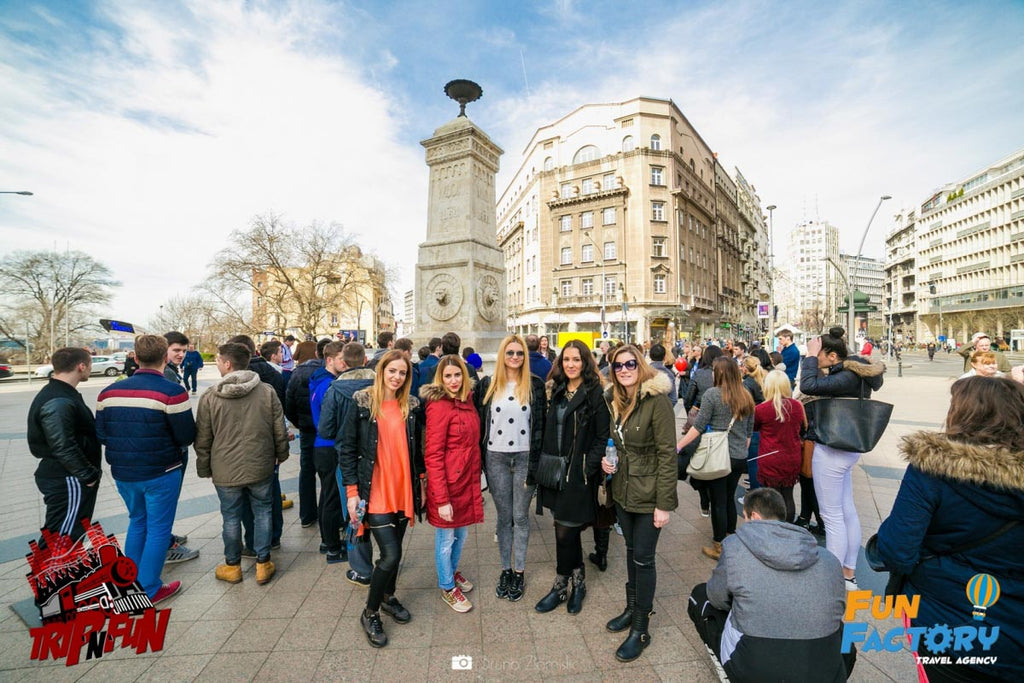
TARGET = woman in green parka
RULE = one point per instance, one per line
(643, 483)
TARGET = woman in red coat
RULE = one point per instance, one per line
(781, 420)
(452, 459)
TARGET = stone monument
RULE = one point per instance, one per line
(460, 272)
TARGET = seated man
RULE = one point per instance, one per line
(773, 608)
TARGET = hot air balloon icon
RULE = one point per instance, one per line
(983, 592)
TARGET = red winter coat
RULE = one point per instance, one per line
(452, 459)
(781, 440)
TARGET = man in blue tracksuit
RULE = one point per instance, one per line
(190, 367)
(330, 400)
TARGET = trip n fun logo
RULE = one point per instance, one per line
(89, 596)
(982, 592)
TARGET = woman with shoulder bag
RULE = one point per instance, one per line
(381, 465)
(726, 407)
(848, 376)
(643, 483)
(451, 455)
(956, 523)
(511, 406)
(568, 469)
(701, 380)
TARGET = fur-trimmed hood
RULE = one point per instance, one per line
(362, 399)
(435, 392)
(237, 384)
(659, 384)
(864, 368)
(993, 466)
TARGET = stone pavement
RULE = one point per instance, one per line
(304, 624)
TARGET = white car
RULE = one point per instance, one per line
(101, 365)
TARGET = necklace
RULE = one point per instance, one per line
(569, 393)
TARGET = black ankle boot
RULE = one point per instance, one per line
(600, 555)
(556, 596)
(623, 621)
(579, 590)
(638, 638)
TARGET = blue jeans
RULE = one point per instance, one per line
(277, 515)
(755, 442)
(232, 507)
(307, 478)
(151, 508)
(360, 553)
(192, 373)
(447, 550)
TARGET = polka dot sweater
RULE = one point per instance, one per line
(510, 423)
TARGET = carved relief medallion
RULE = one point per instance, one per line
(444, 297)
(487, 297)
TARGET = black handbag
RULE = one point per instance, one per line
(850, 424)
(551, 471)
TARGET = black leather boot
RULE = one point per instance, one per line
(623, 621)
(556, 596)
(638, 638)
(600, 555)
(579, 590)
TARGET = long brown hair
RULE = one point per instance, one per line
(377, 390)
(988, 411)
(500, 378)
(728, 381)
(623, 403)
(589, 372)
(454, 361)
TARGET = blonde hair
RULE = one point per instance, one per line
(453, 360)
(623, 403)
(776, 390)
(754, 368)
(377, 390)
(500, 379)
(986, 357)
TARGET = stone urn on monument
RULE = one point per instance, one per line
(460, 272)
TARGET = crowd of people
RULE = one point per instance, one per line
(591, 437)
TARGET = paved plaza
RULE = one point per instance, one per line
(304, 624)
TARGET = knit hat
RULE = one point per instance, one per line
(475, 360)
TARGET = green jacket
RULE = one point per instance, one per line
(967, 350)
(646, 442)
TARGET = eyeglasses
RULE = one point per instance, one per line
(515, 354)
(628, 365)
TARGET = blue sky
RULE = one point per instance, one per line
(150, 130)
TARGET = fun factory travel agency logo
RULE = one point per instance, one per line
(89, 597)
(982, 593)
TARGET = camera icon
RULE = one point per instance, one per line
(462, 663)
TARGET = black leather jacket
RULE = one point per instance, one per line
(62, 434)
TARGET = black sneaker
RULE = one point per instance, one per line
(503, 581)
(323, 548)
(517, 586)
(306, 525)
(249, 552)
(276, 545)
(358, 579)
(817, 530)
(336, 557)
(395, 610)
(374, 629)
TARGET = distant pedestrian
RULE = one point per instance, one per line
(539, 364)
(546, 350)
(931, 351)
(190, 367)
(130, 364)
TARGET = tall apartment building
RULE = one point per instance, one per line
(614, 220)
(868, 277)
(812, 288)
(408, 327)
(900, 287)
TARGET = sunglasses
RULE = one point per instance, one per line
(628, 365)
(515, 354)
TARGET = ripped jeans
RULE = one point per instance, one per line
(641, 537)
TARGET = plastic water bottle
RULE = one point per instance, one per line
(356, 522)
(611, 454)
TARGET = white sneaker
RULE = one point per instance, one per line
(851, 584)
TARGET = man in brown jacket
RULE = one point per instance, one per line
(240, 437)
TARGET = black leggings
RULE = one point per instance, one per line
(568, 548)
(641, 537)
(809, 501)
(723, 500)
(388, 531)
(787, 496)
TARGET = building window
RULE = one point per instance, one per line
(566, 256)
(627, 144)
(609, 251)
(549, 163)
(587, 286)
(565, 190)
(656, 143)
(659, 247)
(566, 287)
(587, 220)
(585, 154)
(659, 284)
(334, 318)
(608, 216)
(658, 211)
(608, 182)
(682, 254)
(565, 223)
(587, 253)
(626, 123)
(588, 186)
(657, 175)
(610, 285)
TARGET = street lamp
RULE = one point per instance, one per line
(586, 233)
(21, 192)
(850, 315)
(771, 274)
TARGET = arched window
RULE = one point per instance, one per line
(628, 144)
(587, 153)
(656, 142)
(549, 163)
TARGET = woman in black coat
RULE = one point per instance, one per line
(576, 428)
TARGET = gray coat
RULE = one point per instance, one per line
(714, 412)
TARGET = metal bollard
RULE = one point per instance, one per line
(899, 368)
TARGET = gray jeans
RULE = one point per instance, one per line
(506, 479)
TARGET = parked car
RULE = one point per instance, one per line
(101, 365)
(5, 370)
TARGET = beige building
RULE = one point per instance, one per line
(900, 285)
(613, 223)
(811, 287)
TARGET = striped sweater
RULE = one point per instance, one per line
(146, 424)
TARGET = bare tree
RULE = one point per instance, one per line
(814, 318)
(202, 317)
(52, 294)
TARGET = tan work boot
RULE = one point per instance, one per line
(232, 573)
(265, 572)
(714, 551)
